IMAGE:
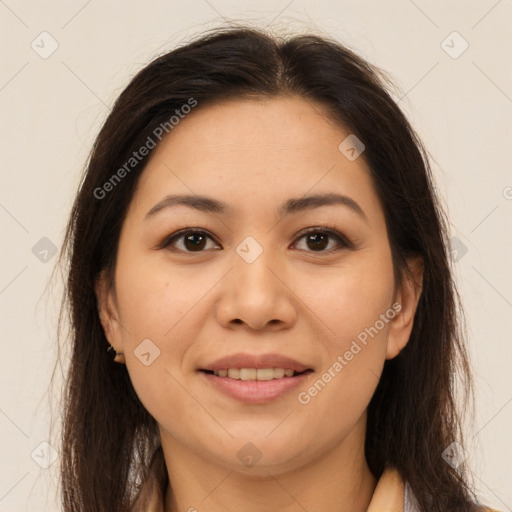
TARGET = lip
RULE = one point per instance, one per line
(255, 392)
(241, 360)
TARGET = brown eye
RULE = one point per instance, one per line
(317, 239)
(192, 241)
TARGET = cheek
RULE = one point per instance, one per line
(158, 303)
(354, 346)
(153, 296)
(355, 309)
(353, 296)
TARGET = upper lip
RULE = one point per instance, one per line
(241, 360)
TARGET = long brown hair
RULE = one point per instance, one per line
(110, 443)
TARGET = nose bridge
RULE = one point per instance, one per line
(254, 292)
(252, 261)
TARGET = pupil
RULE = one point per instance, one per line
(190, 238)
(319, 237)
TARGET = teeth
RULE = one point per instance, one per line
(248, 373)
(254, 374)
(233, 373)
(279, 373)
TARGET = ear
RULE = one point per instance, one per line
(108, 311)
(406, 301)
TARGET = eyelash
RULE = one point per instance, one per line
(343, 241)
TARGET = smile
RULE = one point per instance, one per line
(255, 373)
(255, 386)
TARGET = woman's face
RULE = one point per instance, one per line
(253, 284)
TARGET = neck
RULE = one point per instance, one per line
(338, 479)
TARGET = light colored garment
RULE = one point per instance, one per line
(391, 495)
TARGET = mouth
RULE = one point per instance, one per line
(255, 386)
(255, 379)
(259, 374)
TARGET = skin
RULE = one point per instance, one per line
(294, 299)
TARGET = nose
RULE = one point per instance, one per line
(257, 294)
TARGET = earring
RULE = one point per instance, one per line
(116, 356)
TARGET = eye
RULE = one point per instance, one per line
(194, 240)
(317, 239)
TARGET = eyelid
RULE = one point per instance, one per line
(167, 241)
(343, 241)
(332, 232)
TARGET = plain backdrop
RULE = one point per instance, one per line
(64, 63)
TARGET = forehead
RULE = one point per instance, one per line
(249, 153)
(286, 123)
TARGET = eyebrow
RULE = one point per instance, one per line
(293, 205)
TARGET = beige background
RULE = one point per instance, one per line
(53, 107)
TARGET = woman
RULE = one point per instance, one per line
(258, 243)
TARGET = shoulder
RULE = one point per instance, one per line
(483, 508)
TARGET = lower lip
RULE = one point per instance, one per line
(256, 392)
